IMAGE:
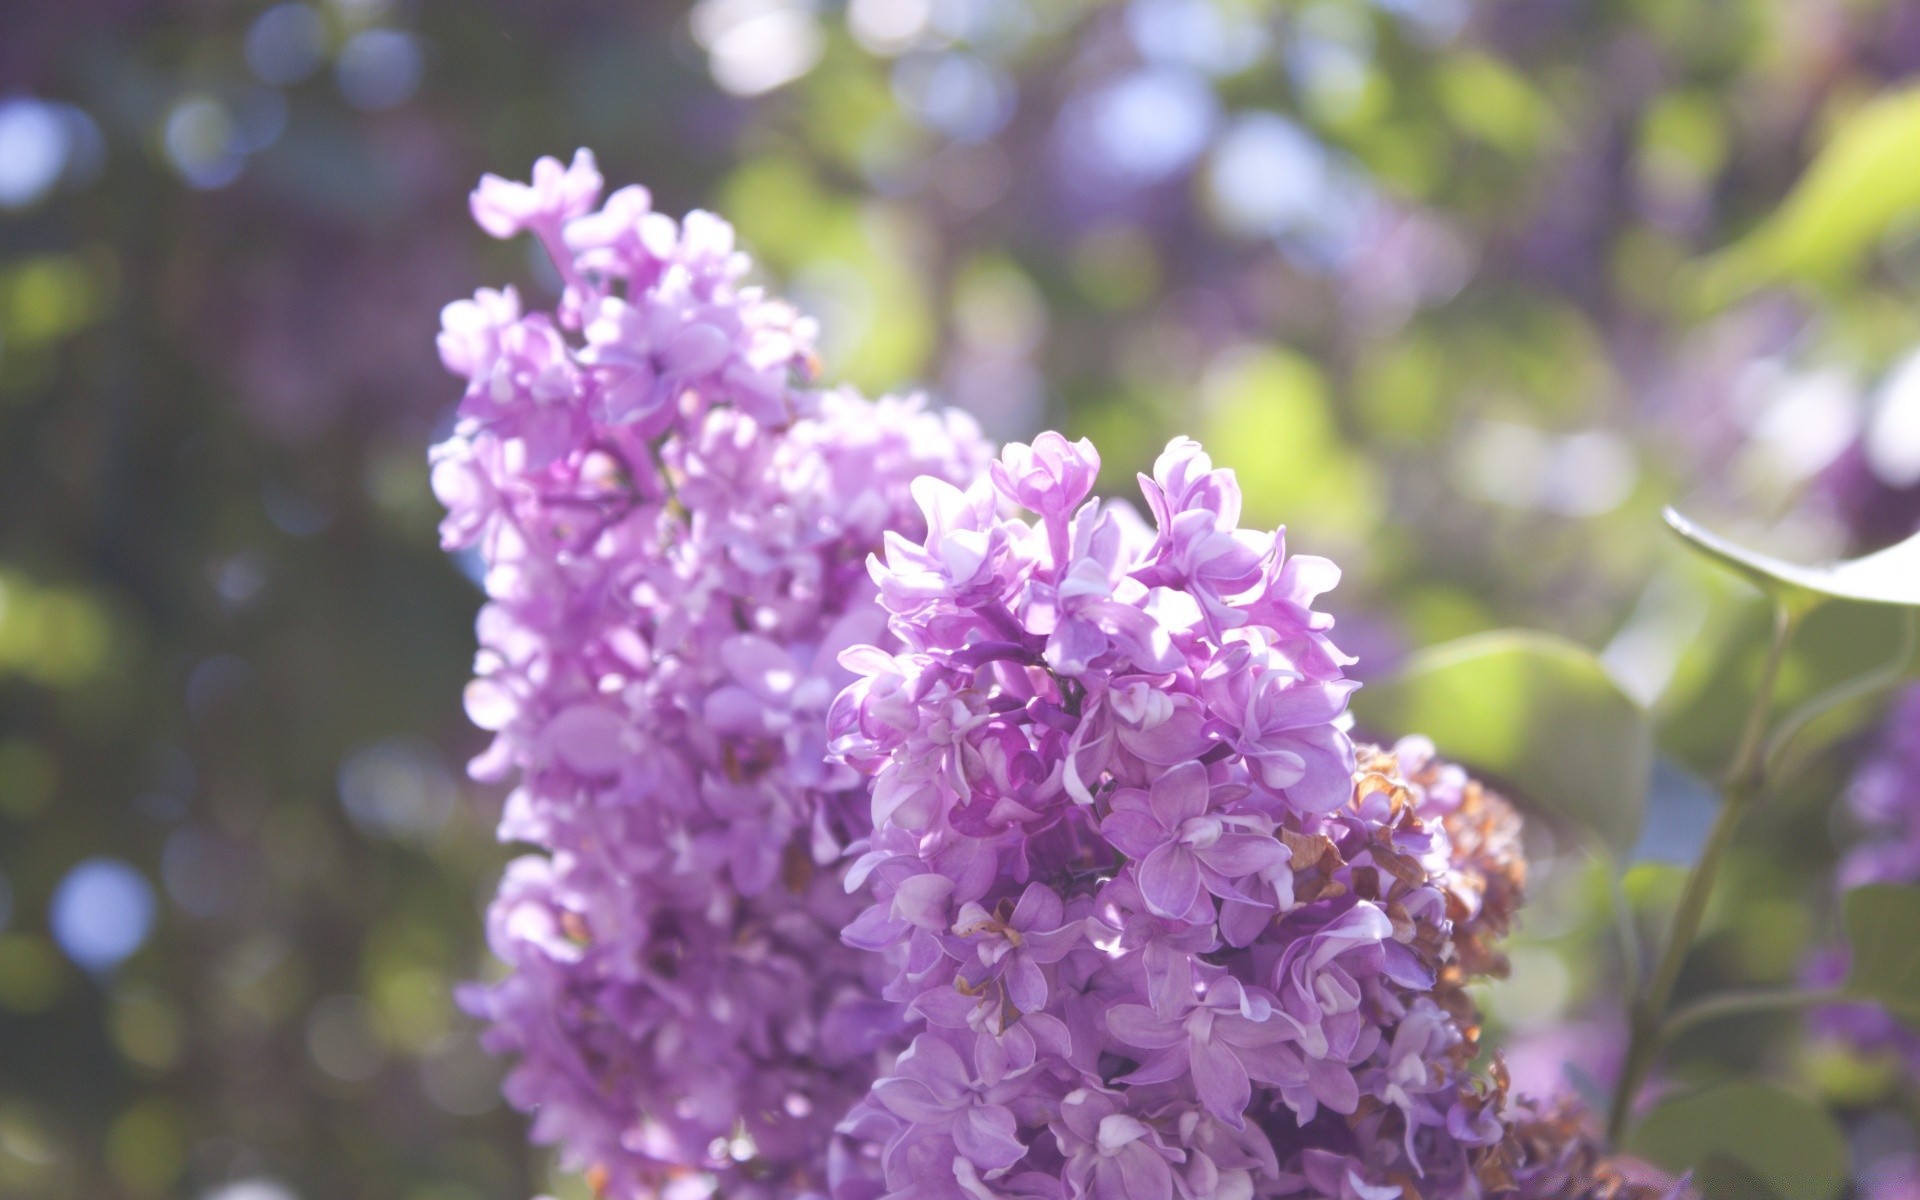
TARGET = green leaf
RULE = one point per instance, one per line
(1784, 1140)
(1538, 714)
(1724, 1177)
(1258, 399)
(1883, 929)
(1861, 185)
(1890, 576)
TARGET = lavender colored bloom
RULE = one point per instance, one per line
(1220, 1037)
(1169, 932)
(672, 522)
(1884, 799)
(939, 1095)
(1122, 913)
(1011, 948)
(1185, 841)
(1112, 1154)
(1895, 1177)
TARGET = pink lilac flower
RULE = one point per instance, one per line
(1225, 962)
(672, 522)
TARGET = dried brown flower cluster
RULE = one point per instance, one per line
(1548, 1153)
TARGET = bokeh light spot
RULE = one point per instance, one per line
(1266, 175)
(33, 150)
(1893, 433)
(889, 26)
(342, 1040)
(396, 788)
(101, 912)
(1152, 123)
(252, 1189)
(956, 94)
(203, 143)
(754, 46)
(1215, 38)
(285, 44)
(379, 69)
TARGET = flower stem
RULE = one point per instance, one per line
(1733, 1004)
(1887, 675)
(1745, 777)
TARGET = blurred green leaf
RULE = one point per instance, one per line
(1537, 712)
(1493, 102)
(1859, 186)
(1883, 929)
(1722, 1175)
(1772, 1135)
(1684, 128)
(1890, 576)
(1270, 418)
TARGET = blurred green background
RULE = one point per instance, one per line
(1464, 289)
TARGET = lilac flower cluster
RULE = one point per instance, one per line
(1160, 930)
(673, 525)
(1884, 798)
(1124, 913)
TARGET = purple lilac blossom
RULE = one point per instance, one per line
(1124, 913)
(1158, 929)
(1895, 1177)
(1884, 799)
(673, 523)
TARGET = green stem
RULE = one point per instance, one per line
(1858, 688)
(1744, 780)
(1733, 1004)
(1627, 927)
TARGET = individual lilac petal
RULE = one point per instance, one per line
(922, 900)
(1325, 783)
(1236, 854)
(1222, 1081)
(1170, 880)
(1143, 1174)
(589, 739)
(1181, 737)
(1074, 645)
(1136, 834)
(911, 1099)
(1161, 1066)
(1137, 1025)
(1333, 1085)
(1026, 984)
(1040, 907)
(989, 1137)
(696, 350)
(1180, 794)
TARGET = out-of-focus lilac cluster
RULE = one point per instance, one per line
(1884, 798)
(1159, 929)
(673, 524)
